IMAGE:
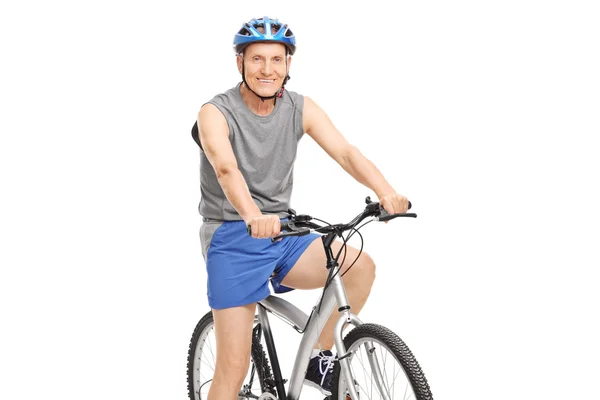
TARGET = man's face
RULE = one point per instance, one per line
(265, 65)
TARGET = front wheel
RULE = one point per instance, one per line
(382, 366)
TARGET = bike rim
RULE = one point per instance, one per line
(395, 382)
(204, 362)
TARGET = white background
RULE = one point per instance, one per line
(482, 113)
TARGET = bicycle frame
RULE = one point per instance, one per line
(310, 327)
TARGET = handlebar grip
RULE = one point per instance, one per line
(385, 216)
(299, 232)
(285, 226)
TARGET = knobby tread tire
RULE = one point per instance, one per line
(259, 357)
(400, 351)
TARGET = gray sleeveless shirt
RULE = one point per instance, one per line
(265, 149)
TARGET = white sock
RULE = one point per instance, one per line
(315, 353)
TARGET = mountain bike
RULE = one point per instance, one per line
(372, 363)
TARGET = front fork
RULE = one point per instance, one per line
(348, 318)
(344, 358)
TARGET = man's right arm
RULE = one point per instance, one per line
(213, 133)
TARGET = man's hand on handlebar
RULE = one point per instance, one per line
(394, 203)
(264, 226)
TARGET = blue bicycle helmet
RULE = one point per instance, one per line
(249, 33)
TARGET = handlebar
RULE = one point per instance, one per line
(300, 225)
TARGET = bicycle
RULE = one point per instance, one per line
(367, 345)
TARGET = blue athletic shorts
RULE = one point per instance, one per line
(239, 267)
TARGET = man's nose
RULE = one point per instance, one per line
(267, 68)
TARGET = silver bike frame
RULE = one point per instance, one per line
(311, 328)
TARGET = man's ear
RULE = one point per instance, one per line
(239, 60)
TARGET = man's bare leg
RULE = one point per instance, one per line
(233, 330)
(309, 272)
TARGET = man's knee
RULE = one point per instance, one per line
(368, 268)
(233, 366)
(233, 355)
(364, 270)
(233, 329)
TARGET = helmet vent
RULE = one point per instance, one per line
(255, 31)
(244, 32)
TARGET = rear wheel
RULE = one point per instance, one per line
(202, 358)
(382, 366)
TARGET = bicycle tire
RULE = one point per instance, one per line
(396, 347)
(257, 354)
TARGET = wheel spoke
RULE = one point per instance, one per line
(360, 360)
(381, 366)
(364, 370)
(384, 374)
(364, 391)
(203, 366)
(394, 386)
(406, 390)
(211, 352)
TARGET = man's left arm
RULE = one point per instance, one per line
(318, 125)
